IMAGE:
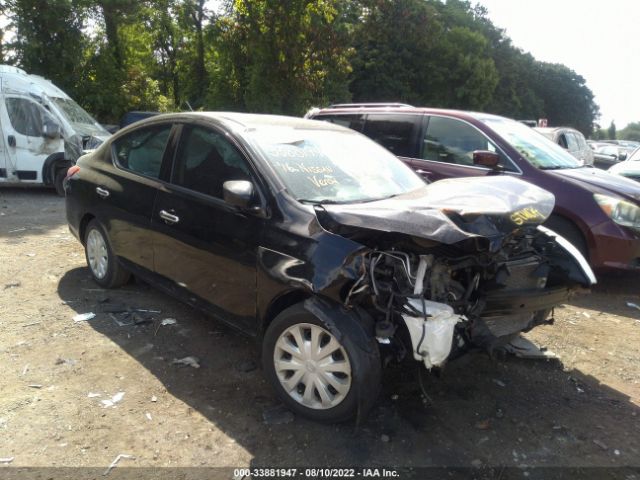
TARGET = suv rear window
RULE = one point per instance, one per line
(354, 122)
(397, 133)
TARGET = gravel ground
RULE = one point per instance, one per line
(58, 377)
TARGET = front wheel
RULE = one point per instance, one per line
(104, 266)
(320, 371)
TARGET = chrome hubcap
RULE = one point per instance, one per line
(97, 254)
(312, 366)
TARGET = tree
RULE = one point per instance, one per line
(611, 131)
(630, 132)
(48, 38)
(567, 101)
(280, 57)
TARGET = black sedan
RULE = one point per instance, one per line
(322, 245)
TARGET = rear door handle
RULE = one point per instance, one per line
(103, 192)
(169, 217)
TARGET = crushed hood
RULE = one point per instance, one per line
(616, 184)
(450, 211)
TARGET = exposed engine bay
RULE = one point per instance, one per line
(450, 301)
(477, 283)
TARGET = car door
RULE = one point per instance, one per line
(26, 147)
(446, 150)
(204, 246)
(124, 191)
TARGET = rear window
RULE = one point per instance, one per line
(141, 151)
(352, 121)
(396, 133)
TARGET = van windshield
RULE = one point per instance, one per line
(534, 147)
(78, 117)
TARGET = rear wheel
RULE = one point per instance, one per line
(58, 181)
(317, 371)
(569, 231)
(104, 266)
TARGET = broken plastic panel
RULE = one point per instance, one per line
(431, 330)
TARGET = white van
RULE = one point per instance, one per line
(43, 130)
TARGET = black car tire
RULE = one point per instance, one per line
(569, 231)
(365, 366)
(115, 275)
(58, 181)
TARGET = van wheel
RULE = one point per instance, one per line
(317, 371)
(103, 265)
(58, 181)
(569, 231)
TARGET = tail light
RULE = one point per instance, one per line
(72, 171)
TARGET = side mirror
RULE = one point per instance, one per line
(485, 158)
(237, 193)
(622, 156)
(51, 130)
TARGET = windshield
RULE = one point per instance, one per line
(635, 156)
(538, 150)
(332, 166)
(78, 118)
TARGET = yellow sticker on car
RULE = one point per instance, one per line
(527, 215)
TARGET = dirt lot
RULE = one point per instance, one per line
(581, 411)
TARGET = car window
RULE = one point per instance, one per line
(26, 116)
(572, 142)
(205, 160)
(452, 141)
(562, 141)
(141, 151)
(334, 166)
(396, 133)
(582, 142)
(354, 122)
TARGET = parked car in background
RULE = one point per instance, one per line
(135, 116)
(607, 154)
(43, 131)
(597, 211)
(629, 168)
(322, 245)
(571, 140)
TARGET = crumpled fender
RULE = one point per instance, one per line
(570, 259)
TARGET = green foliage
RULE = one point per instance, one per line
(630, 132)
(284, 56)
(611, 131)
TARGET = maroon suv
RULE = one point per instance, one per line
(598, 212)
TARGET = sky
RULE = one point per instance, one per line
(598, 40)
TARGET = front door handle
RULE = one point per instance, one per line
(169, 217)
(103, 192)
(12, 140)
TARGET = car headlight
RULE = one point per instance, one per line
(620, 211)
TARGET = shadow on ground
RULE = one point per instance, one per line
(510, 412)
(612, 295)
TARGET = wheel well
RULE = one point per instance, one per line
(561, 222)
(83, 225)
(279, 304)
(52, 164)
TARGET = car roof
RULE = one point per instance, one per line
(463, 114)
(245, 122)
(554, 129)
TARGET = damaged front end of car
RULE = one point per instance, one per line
(460, 264)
